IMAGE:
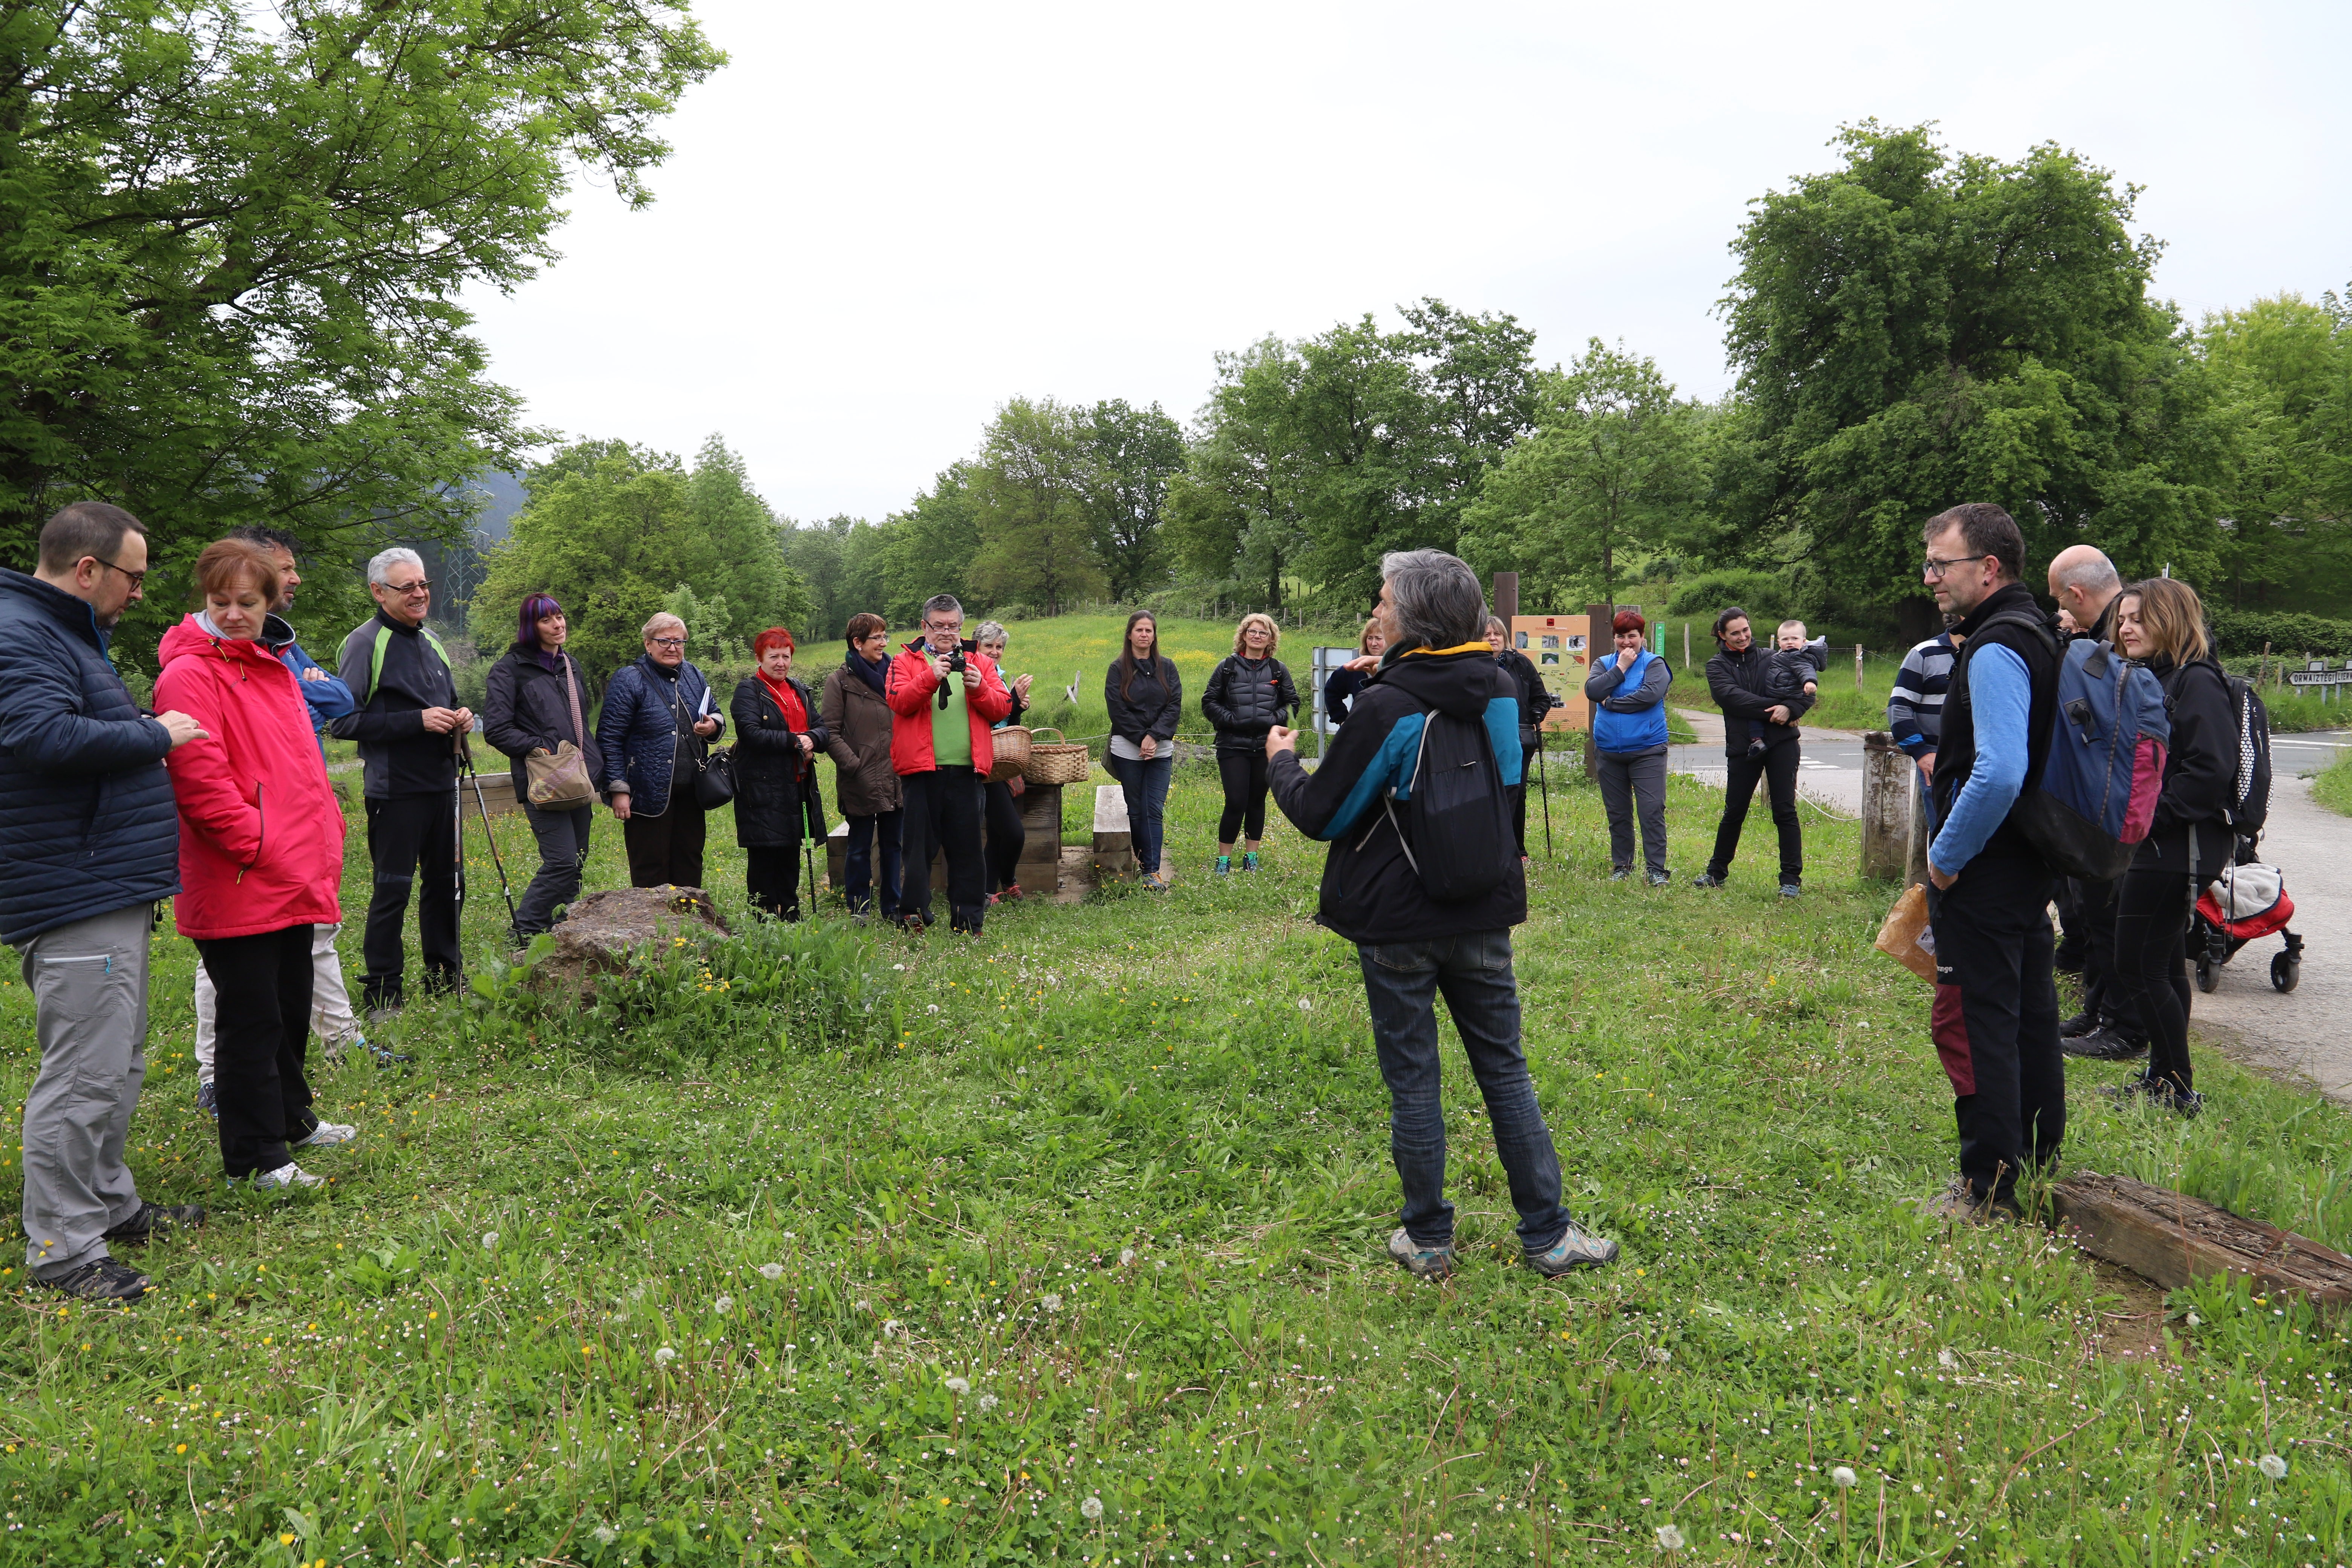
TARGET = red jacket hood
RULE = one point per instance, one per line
(261, 832)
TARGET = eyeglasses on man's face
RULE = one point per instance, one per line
(668, 642)
(1933, 569)
(409, 590)
(938, 627)
(138, 579)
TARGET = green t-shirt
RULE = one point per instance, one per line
(950, 727)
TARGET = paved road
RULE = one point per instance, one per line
(1828, 771)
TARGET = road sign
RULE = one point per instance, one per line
(2319, 677)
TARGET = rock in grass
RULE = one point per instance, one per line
(602, 928)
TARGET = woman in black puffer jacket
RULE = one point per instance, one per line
(537, 699)
(778, 733)
(1249, 693)
(2161, 623)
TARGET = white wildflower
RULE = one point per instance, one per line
(664, 1356)
(788, 1236)
(898, 966)
(1126, 1256)
(1051, 1303)
(724, 1305)
(2273, 1467)
(1841, 1476)
(606, 1534)
(1669, 1538)
(889, 1327)
(1091, 1508)
(771, 1271)
(864, 1305)
(1947, 1360)
(932, 1007)
(988, 1402)
(1306, 1006)
(489, 1240)
(958, 1386)
(2195, 1321)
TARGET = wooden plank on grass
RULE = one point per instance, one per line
(2172, 1238)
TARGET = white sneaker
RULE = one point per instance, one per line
(328, 1133)
(289, 1174)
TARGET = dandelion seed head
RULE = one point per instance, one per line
(606, 1534)
(664, 1356)
(1126, 1256)
(771, 1271)
(1842, 1476)
(988, 1402)
(1091, 1508)
(1947, 1360)
(1051, 1303)
(724, 1305)
(1669, 1538)
(958, 1386)
(2273, 1467)
(1306, 1005)
(489, 1240)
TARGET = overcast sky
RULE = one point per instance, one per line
(882, 221)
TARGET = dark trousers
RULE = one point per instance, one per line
(942, 810)
(1778, 768)
(1629, 786)
(772, 875)
(1144, 782)
(1996, 1018)
(1244, 775)
(2103, 997)
(2151, 980)
(562, 855)
(411, 836)
(669, 847)
(262, 990)
(869, 837)
(1006, 836)
(1473, 971)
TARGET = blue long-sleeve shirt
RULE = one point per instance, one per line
(2000, 698)
(329, 697)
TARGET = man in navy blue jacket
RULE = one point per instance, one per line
(91, 841)
(1408, 945)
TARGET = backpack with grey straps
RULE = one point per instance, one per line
(1460, 842)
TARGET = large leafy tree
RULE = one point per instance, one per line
(1029, 505)
(1234, 515)
(1128, 456)
(1613, 464)
(928, 548)
(1915, 328)
(614, 531)
(233, 244)
(2282, 374)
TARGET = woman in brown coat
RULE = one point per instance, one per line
(859, 722)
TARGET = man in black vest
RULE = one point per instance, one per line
(406, 722)
(1996, 1013)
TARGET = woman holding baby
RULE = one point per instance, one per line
(1762, 691)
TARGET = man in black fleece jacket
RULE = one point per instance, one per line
(408, 725)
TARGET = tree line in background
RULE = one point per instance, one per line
(235, 253)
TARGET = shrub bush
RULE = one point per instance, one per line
(2242, 632)
(1766, 596)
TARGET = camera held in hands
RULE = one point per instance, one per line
(955, 661)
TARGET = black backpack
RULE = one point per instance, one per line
(1460, 845)
(2250, 789)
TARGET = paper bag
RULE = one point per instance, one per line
(1907, 937)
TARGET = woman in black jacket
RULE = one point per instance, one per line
(538, 698)
(1339, 690)
(777, 737)
(1735, 679)
(2161, 623)
(1248, 694)
(1144, 695)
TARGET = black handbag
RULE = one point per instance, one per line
(714, 774)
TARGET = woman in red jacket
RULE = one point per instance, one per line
(261, 858)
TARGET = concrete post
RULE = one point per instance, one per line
(1886, 793)
(1915, 858)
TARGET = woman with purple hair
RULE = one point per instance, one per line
(538, 697)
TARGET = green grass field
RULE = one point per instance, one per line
(2333, 787)
(1062, 1245)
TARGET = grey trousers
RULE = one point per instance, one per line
(1627, 782)
(89, 981)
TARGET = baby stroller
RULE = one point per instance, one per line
(2247, 901)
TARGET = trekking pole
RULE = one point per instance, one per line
(1543, 784)
(457, 823)
(465, 771)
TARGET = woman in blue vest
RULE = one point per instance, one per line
(1628, 693)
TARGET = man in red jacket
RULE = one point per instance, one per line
(943, 698)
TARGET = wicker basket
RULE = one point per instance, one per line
(1057, 762)
(1012, 753)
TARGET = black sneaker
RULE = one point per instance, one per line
(103, 1280)
(2080, 1024)
(140, 1227)
(208, 1099)
(385, 1056)
(2136, 1084)
(2104, 1045)
(1709, 879)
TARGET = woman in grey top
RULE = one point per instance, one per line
(1628, 693)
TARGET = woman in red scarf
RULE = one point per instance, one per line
(777, 737)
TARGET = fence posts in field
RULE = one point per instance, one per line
(1857, 667)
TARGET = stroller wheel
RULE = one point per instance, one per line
(2285, 970)
(2208, 976)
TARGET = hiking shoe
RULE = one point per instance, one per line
(288, 1174)
(1710, 879)
(152, 1217)
(1011, 893)
(1575, 1248)
(2104, 1045)
(326, 1135)
(101, 1280)
(2080, 1024)
(1224, 866)
(1620, 873)
(1790, 890)
(2184, 1103)
(1249, 860)
(336, 1048)
(208, 1099)
(1421, 1262)
(1660, 878)
(1961, 1204)
(2136, 1084)
(1155, 882)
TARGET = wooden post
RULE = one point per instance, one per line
(1915, 856)
(1887, 791)
(1507, 595)
(2263, 670)
(1597, 636)
(1857, 667)
(1685, 647)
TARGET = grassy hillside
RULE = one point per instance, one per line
(1062, 1245)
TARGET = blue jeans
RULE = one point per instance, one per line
(1145, 783)
(858, 862)
(1473, 970)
